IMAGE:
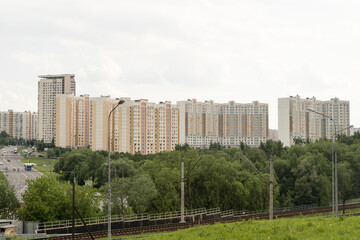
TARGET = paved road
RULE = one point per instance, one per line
(15, 177)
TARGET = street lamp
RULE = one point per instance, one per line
(333, 189)
(109, 177)
(333, 163)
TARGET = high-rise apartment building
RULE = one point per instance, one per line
(229, 124)
(136, 126)
(19, 124)
(49, 86)
(294, 121)
(273, 134)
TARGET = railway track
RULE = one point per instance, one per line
(178, 226)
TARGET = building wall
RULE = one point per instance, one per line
(294, 121)
(19, 124)
(64, 120)
(273, 134)
(229, 124)
(99, 122)
(49, 86)
(136, 126)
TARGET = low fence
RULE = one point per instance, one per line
(167, 215)
(125, 218)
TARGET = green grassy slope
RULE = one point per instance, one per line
(285, 228)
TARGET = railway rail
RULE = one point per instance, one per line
(227, 217)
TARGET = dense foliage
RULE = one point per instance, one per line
(8, 201)
(6, 140)
(46, 200)
(221, 177)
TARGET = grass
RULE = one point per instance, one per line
(284, 228)
(2, 176)
(44, 165)
(340, 212)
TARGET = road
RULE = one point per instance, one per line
(16, 174)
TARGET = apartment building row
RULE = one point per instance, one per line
(145, 127)
(226, 123)
(20, 124)
(296, 121)
(136, 125)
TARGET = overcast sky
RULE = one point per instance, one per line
(219, 50)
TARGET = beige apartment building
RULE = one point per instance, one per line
(294, 121)
(228, 124)
(136, 126)
(19, 124)
(49, 86)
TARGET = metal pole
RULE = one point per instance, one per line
(333, 165)
(109, 172)
(271, 200)
(332, 178)
(73, 211)
(182, 220)
(336, 180)
(109, 179)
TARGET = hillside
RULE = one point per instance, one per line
(290, 228)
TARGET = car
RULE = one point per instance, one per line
(1, 163)
(8, 160)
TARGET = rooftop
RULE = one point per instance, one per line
(55, 76)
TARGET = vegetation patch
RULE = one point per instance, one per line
(284, 228)
(44, 165)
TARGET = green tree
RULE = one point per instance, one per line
(141, 192)
(8, 201)
(167, 183)
(303, 191)
(344, 182)
(47, 200)
(129, 194)
(84, 163)
(119, 193)
(325, 190)
(3, 134)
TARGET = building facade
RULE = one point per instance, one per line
(49, 86)
(229, 124)
(19, 124)
(273, 134)
(136, 126)
(294, 121)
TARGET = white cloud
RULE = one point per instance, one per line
(174, 50)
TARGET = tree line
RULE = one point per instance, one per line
(215, 177)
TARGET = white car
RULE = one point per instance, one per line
(1, 163)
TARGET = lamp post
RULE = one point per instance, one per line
(333, 163)
(109, 177)
(182, 219)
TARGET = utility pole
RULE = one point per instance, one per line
(271, 199)
(73, 211)
(336, 179)
(182, 220)
(269, 181)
